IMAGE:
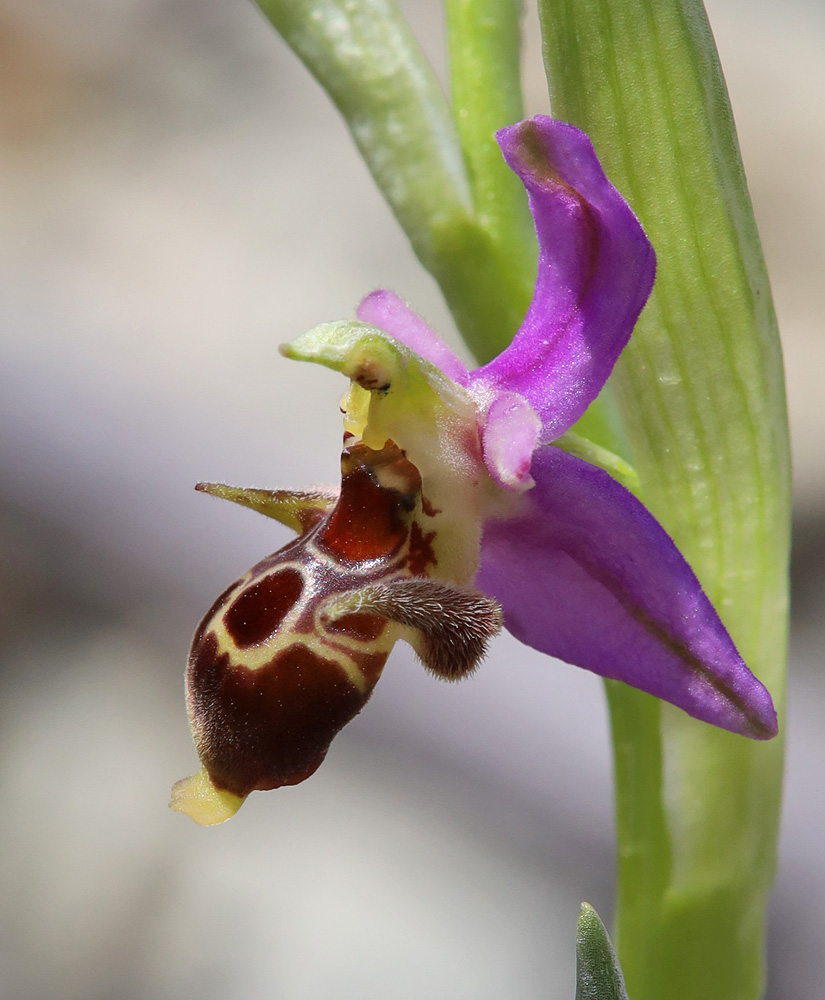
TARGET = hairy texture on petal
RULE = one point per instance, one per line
(595, 272)
(585, 573)
(388, 312)
(452, 624)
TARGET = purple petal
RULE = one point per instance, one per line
(595, 272)
(388, 312)
(585, 573)
(511, 430)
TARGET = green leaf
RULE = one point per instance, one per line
(598, 974)
(701, 393)
(364, 55)
(485, 76)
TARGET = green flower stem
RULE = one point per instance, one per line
(701, 392)
(364, 55)
(485, 59)
(485, 54)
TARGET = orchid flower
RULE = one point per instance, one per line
(457, 513)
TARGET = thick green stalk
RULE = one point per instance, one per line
(485, 49)
(364, 55)
(701, 392)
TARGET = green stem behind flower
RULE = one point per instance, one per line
(463, 223)
(446, 181)
(485, 56)
(700, 388)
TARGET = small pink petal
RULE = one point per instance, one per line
(388, 312)
(511, 430)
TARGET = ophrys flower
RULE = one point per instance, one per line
(456, 506)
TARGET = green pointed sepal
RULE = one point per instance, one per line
(299, 510)
(613, 464)
(598, 973)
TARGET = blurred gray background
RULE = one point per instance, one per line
(177, 198)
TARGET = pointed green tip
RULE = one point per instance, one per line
(345, 347)
(598, 974)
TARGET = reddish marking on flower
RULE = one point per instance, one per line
(421, 553)
(367, 521)
(264, 728)
(359, 625)
(428, 508)
(206, 621)
(370, 665)
(371, 376)
(258, 610)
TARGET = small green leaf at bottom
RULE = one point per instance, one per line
(598, 973)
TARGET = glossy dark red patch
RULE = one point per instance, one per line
(272, 726)
(367, 522)
(257, 612)
(206, 621)
(359, 625)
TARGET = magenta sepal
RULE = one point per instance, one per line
(585, 573)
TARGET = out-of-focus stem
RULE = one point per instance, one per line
(701, 392)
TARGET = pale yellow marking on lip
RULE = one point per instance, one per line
(199, 798)
(326, 645)
(254, 657)
(353, 672)
(259, 656)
